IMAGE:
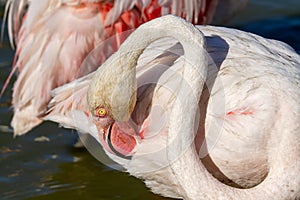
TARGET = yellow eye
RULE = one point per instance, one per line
(101, 112)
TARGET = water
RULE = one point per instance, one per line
(55, 169)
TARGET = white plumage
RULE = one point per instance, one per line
(249, 113)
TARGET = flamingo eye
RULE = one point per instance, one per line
(101, 112)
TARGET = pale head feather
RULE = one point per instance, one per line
(114, 87)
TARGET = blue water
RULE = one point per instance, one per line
(286, 29)
(55, 169)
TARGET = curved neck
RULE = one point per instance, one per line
(120, 68)
(192, 40)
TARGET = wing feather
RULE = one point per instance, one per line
(68, 98)
(44, 60)
(14, 13)
(191, 10)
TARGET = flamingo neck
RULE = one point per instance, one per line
(123, 72)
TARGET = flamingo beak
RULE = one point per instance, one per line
(120, 138)
(127, 127)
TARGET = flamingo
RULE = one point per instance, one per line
(53, 37)
(197, 112)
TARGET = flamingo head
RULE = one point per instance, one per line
(112, 91)
(111, 100)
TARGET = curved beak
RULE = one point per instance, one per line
(121, 139)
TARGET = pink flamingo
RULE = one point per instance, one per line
(214, 117)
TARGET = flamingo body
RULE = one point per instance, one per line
(251, 94)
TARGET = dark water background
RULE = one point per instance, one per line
(55, 169)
